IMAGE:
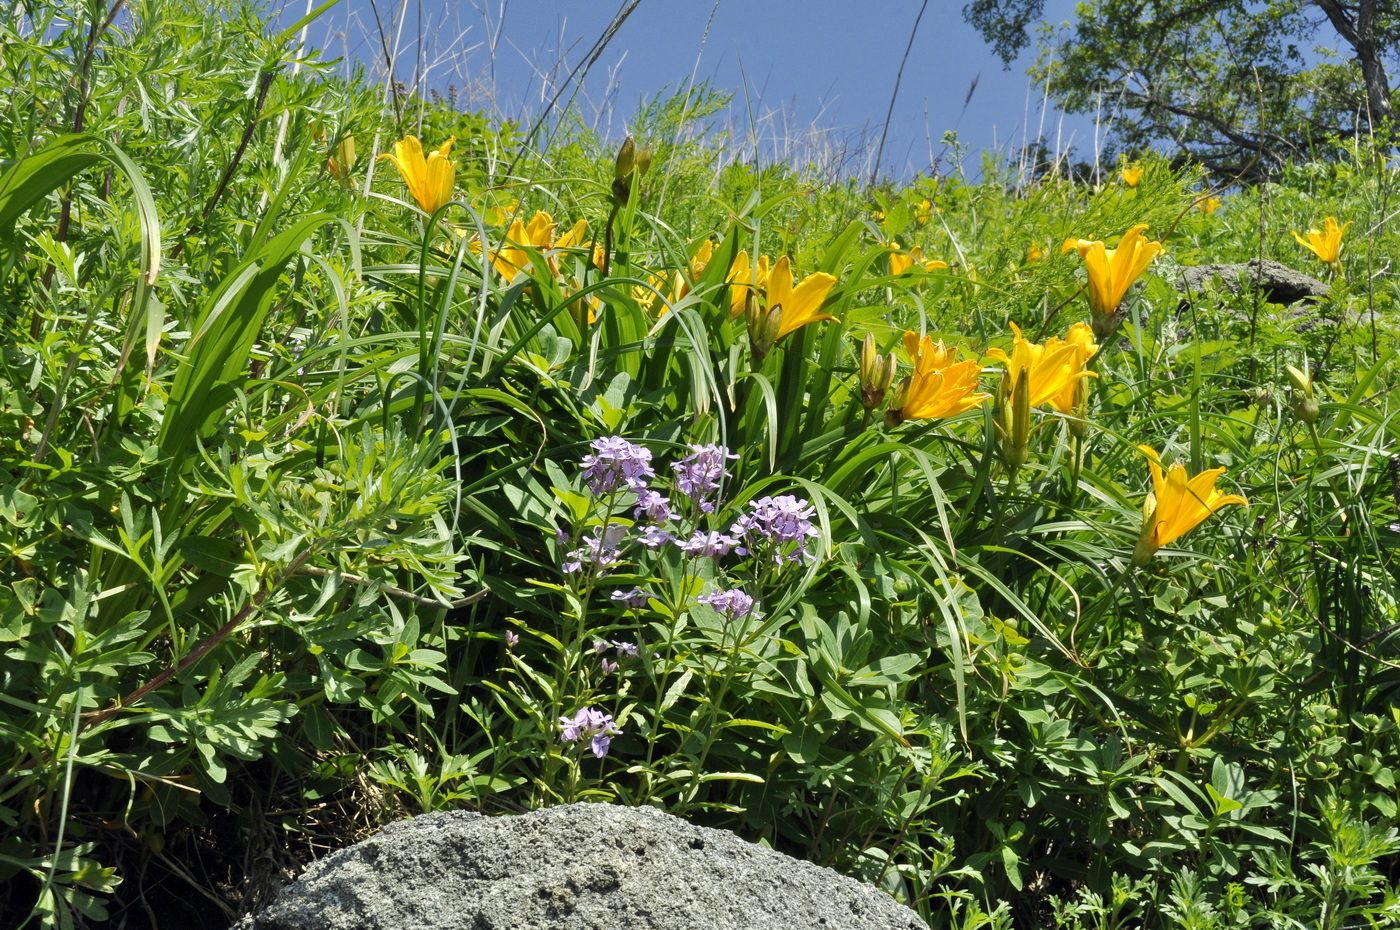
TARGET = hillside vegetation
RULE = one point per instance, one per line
(927, 531)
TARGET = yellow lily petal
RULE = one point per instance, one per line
(429, 180)
(1178, 503)
(743, 278)
(573, 237)
(1325, 243)
(1112, 271)
(1052, 370)
(801, 304)
(939, 387)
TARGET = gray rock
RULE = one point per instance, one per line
(1278, 283)
(580, 867)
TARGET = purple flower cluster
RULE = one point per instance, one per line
(711, 545)
(590, 724)
(601, 550)
(779, 523)
(625, 650)
(616, 463)
(654, 506)
(635, 599)
(623, 647)
(654, 537)
(699, 474)
(734, 603)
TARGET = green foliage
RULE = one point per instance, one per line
(292, 484)
(1242, 87)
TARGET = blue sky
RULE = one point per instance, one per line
(791, 64)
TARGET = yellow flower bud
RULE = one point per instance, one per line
(626, 160)
(1013, 419)
(342, 160)
(876, 373)
(772, 326)
(1305, 405)
(628, 169)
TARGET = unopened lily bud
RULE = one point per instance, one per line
(342, 159)
(630, 165)
(753, 312)
(763, 328)
(876, 373)
(1021, 405)
(1305, 405)
(626, 160)
(895, 415)
(1013, 417)
(869, 355)
(1299, 379)
(1142, 552)
(1079, 417)
(772, 325)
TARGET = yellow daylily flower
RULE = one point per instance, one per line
(429, 180)
(664, 290)
(1131, 174)
(901, 262)
(701, 259)
(1073, 396)
(800, 304)
(1211, 204)
(537, 235)
(940, 386)
(1052, 370)
(923, 212)
(1035, 375)
(744, 278)
(1325, 243)
(1034, 253)
(1177, 504)
(1112, 272)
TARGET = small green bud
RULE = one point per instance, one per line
(876, 373)
(629, 167)
(626, 160)
(1305, 405)
(772, 326)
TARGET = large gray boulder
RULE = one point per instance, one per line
(580, 867)
(1276, 281)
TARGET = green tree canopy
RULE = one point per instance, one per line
(1239, 84)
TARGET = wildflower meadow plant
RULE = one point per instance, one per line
(627, 526)
(780, 528)
(591, 725)
(615, 464)
(635, 493)
(700, 474)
